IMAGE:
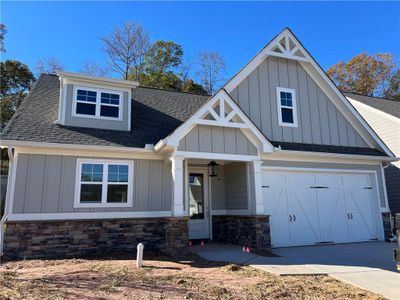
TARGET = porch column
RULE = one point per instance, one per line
(177, 178)
(258, 193)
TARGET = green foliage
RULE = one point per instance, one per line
(163, 57)
(370, 75)
(190, 86)
(16, 80)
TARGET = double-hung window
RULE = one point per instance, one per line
(97, 103)
(103, 183)
(287, 113)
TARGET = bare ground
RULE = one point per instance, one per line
(161, 278)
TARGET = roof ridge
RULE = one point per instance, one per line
(173, 91)
(382, 98)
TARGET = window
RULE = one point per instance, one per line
(103, 183)
(287, 114)
(96, 103)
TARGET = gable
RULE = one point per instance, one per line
(319, 120)
(285, 45)
(220, 111)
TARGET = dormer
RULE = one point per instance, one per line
(95, 102)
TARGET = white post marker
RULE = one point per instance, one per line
(139, 256)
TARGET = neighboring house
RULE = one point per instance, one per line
(277, 157)
(383, 116)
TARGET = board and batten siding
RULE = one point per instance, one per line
(338, 166)
(213, 139)
(46, 184)
(236, 186)
(93, 122)
(319, 121)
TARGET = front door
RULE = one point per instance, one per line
(198, 205)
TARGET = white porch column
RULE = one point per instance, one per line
(258, 193)
(178, 191)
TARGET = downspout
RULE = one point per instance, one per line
(7, 207)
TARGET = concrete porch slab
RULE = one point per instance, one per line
(366, 265)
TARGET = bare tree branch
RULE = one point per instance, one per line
(48, 65)
(210, 70)
(92, 68)
(126, 48)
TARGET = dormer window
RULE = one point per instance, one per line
(287, 113)
(97, 103)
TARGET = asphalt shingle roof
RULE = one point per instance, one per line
(155, 114)
(385, 105)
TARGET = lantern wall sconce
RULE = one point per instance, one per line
(213, 169)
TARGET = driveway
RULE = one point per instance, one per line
(367, 265)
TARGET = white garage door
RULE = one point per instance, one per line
(311, 208)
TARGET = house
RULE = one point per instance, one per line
(277, 157)
(383, 116)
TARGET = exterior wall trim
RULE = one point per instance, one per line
(87, 216)
(221, 156)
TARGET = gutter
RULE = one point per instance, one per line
(7, 207)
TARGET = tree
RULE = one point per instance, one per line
(190, 86)
(210, 71)
(166, 81)
(92, 68)
(163, 57)
(126, 48)
(16, 81)
(393, 90)
(3, 32)
(48, 65)
(364, 74)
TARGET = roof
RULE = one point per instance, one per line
(388, 106)
(327, 148)
(155, 114)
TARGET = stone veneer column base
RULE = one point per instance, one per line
(58, 239)
(387, 225)
(249, 231)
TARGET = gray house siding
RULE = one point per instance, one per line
(376, 168)
(203, 138)
(218, 189)
(95, 123)
(236, 186)
(46, 184)
(319, 121)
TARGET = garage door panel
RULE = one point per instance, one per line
(315, 207)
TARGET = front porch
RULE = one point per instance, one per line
(227, 207)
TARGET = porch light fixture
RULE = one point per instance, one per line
(213, 169)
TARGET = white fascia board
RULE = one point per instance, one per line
(101, 80)
(355, 102)
(282, 154)
(185, 128)
(216, 156)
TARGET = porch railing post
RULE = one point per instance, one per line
(178, 190)
(258, 187)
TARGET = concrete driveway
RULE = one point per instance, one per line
(367, 265)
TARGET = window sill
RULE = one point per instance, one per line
(102, 205)
(288, 125)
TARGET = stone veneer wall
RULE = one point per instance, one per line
(249, 231)
(57, 239)
(387, 225)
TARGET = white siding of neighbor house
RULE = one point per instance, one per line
(386, 127)
(319, 121)
(46, 184)
(213, 139)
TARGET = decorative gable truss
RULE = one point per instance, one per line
(286, 47)
(222, 111)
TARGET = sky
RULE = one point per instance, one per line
(71, 31)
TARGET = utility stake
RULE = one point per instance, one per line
(139, 256)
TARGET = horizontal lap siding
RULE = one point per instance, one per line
(212, 139)
(319, 121)
(46, 184)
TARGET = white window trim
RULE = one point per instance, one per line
(97, 103)
(105, 163)
(294, 107)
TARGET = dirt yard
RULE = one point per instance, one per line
(161, 278)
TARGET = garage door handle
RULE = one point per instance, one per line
(348, 216)
(351, 216)
(294, 218)
(290, 218)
